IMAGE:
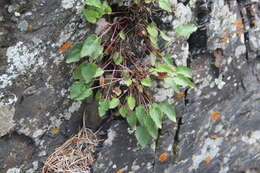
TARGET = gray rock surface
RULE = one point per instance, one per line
(34, 79)
(226, 70)
(224, 55)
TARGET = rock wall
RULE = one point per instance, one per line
(218, 123)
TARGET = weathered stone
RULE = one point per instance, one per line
(120, 152)
(6, 119)
(223, 54)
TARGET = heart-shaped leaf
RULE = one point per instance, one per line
(88, 71)
(114, 103)
(142, 136)
(131, 102)
(169, 110)
(74, 54)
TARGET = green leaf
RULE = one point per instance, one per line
(122, 35)
(142, 136)
(183, 81)
(91, 15)
(147, 82)
(131, 119)
(106, 8)
(131, 102)
(86, 93)
(88, 71)
(172, 84)
(148, 1)
(123, 111)
(167, 58)
(184, 71)
(164, 36)
(154, 42)
(185, 29)
(92, 47)
(165, 5)
(78, 91)
(118, 59)
(103, 107)
(152, 30)
(94, 3)
(169, 110)
(114, 103)
(151, 126)
(156, 115)
(99, 72)
(77, 73)
(98, 95)
(74, 54)
(165, 68)
(140, 114)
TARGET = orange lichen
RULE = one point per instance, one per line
(215, 115)
(119, 171)
(65, 46)
(214, 137)
(239, 24)
(55, 131)
(163, 157)
(207, 159)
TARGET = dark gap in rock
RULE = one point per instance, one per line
(198, 40)
(243, 85)
(185, 2)
(186, 100)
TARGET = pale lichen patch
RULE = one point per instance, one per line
(110, 137)
(21, 58)
(6, 119)
(209, 149)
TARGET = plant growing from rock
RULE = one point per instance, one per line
(113, 64)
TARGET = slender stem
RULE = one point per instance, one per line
(110, 85)
(105, 84)
(111, 79)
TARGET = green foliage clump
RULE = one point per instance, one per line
(112, 68)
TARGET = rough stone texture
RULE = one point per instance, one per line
(138, 160)
(223, 53)
(6, 119)
(34, 80)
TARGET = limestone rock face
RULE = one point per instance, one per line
(218, 123)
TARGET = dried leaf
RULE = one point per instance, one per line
(214, 137)
(65, 46)
(207, 160)
(101, 81)
(55, 131)
(163, 157)
(117, 91)
(162, 75)
(215, 115)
